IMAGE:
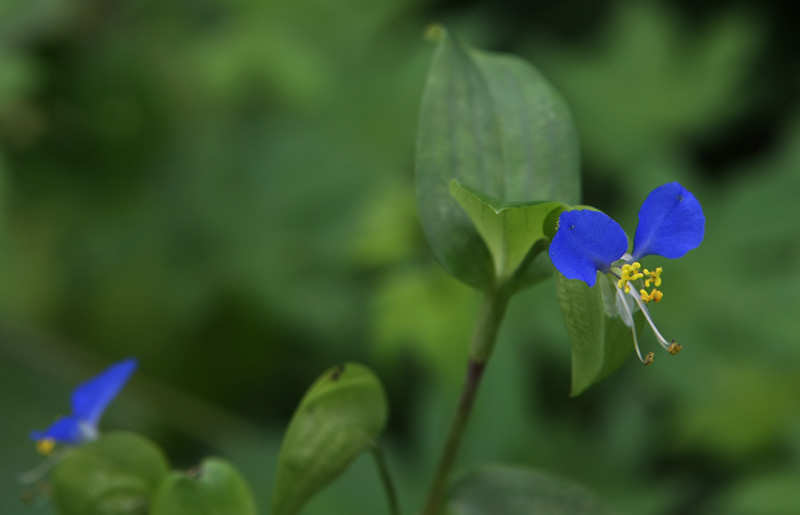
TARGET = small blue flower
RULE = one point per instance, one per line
(671, 223)
(89, 401)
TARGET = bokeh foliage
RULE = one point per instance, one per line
(225, 190)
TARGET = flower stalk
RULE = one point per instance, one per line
(490, 316)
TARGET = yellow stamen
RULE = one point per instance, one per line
(674, 348)
(633, 269)
(46, 446)
(653, 295)
(629, 273)
(648, 360)
(655, 277)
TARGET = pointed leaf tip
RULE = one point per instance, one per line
(435, 33)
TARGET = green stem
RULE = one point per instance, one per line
(386, 479)
(490, 315)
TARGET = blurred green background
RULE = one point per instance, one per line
(224, 189)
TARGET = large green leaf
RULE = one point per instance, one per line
(115, 475)
(601, 341)
(509, 229)
(213, 488)
(507, 490)
(339, 417)
(492, 122)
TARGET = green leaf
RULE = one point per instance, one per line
(115, 475)
(601, 341)
(509, 229)
(541, 153)
(491, 122)
(213, 488)
(520, 491)
(340, 416)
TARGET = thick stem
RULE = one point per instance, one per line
(487, 325)
(386, 479)
(490, 315)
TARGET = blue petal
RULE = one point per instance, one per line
(64, 430)
(671, 223)
(90, 398)
(586, 241)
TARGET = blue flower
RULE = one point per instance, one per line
(89, 401)
(671, 223)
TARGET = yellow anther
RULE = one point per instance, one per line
(653, 295)
(648, 360)
(674, 348)
(655, 277)
(46, 446)
(629, 273)
(633, 269)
